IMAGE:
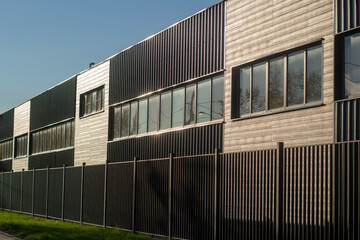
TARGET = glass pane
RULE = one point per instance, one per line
(142, 126)
(178, 108)
(314, 70)
(165, 114)
(244, 91)
(352, 65)
(125, 117)
(88, 103)
(68, 134)
(134, 118)
(117, 120)
(295, 87)
(218, 98)
(276, 83)
(203, 101)
(72, 133)
(258, 88)
(63, 132)
(82, 105)
(53, 138)
(190, 104)
(93, 102)
(153, 113)
(58, 137)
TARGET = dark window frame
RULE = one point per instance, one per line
(93, 103)
(235, 76)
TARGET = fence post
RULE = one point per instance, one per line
(105, 193)
(216, 162)
(11, 179)
(21, 189)
(47, 192)
(2, 189)
(134, 196)
(82, 193)
(63, 194)
(170, 193)
(33, 193)
(279, 183)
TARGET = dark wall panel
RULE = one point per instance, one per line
(119, 195)
(54, 159)
(347, 13)
(7, 124)
(187, 50)
(72, 193)
(192, 141)
(27, 192)
(6, 191)
(40, 192)
(6, 166)
(55, 192)
(54, 105)
(93, 205)
(16, 191)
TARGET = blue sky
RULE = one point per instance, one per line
(42, 42)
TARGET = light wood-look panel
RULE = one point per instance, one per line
(20, 163)
(256, 29)
(91, 132)
(22, 119)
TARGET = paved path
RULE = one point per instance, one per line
(4, 236)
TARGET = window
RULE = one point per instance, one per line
(198, 102)
(278, 82)
(51, 138)
(92, 102)
(352, 65)
(21, 146)
(6, 149)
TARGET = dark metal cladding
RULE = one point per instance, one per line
(347, 13)
(187, 50)
(16, 191)
(6, 191)
(55, 192)
(7, 125)
(54, 105)
(192, 141)
(6, 166)
(347, 117)
(27, 192)
(52, 159)
(40, 192)
(72, 193)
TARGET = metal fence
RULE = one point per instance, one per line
(308, 192)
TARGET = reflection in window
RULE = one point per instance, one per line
(125, 118)
(352, 65)
(178, 108)
(313, 71)
(117, 119)
(276, 83)
(21, 146)
(6, 149)
(142, 122)
(295, 84)
(258, 88)
(244, 91)
(165, 110)
(134, 118)
(217, 103)
(190, 104)
(203, 101)
(153, 121)
(92, 101)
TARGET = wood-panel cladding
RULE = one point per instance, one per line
(190, 49)
(256, 29)
(91, 132)
(191, 141)
(347, 14)
(20, 164)
(22, 119)
(53, 105)
(7, 125)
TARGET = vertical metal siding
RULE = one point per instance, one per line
(189, 49)
(40, 192)
(55, 192)
(347, 119)
(52, 159)
(6, 165)
(192, 141)
(347, 15)
(27, 192)
(6, 125)
(54, 105)
(16, 191)
(72, 193)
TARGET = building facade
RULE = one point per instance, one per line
(239, 75)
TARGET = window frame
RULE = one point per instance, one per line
(93, 96)
(16, 146)
(235, 83)
(8, 149)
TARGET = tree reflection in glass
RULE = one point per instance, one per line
(190, 104)
(352, 65)
(258, 88)
(295, 84)
(244, 91)
(276, 83)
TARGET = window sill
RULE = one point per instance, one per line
(168, 130)
(278, 111)
(92, 114)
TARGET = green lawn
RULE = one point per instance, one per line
(28, 227)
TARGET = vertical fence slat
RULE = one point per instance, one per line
(279, 167)
(134, 196)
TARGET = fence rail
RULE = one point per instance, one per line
(307, 192)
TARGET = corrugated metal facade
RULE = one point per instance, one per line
(54, 105)
(7, 125)
(347, 13)
(192, 141)
(52, 159)
(190, 49)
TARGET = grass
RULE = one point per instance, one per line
(28, 227)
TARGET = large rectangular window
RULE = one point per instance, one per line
(259, 87)
(92, 101)
(6, 149)
(21, 145)
(52, 138)
(352, 65)
(196, 102)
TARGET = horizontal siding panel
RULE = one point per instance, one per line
(187, 50)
